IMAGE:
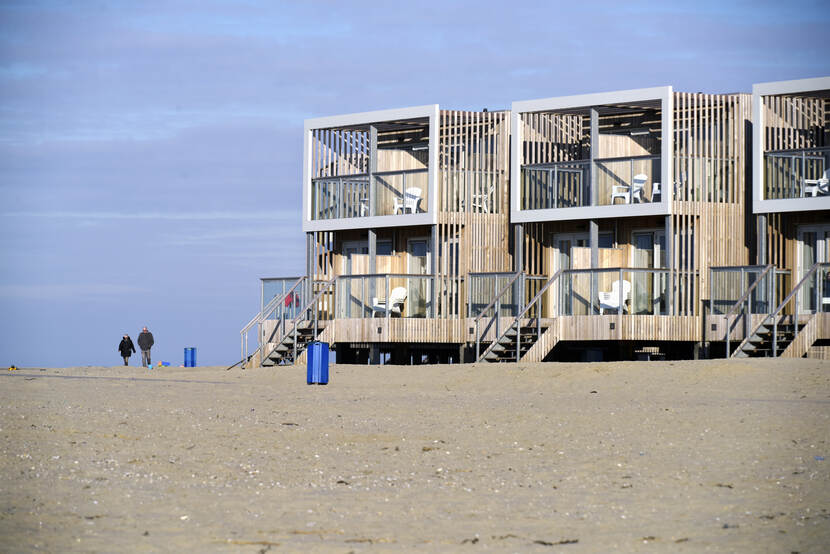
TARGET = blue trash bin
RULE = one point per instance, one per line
(190, 357)
(318, 363)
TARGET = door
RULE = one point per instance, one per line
(418, 289)
(814, 247)
(648, 288)
(570, 290)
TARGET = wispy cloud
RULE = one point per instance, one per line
(66, 291)
(171, 216)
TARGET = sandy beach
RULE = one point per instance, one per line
(596, 457)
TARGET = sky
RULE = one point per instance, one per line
(151, 152)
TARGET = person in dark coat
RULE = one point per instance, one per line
(126, 348)
(145, 342)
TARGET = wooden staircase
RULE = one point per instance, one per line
(292, 345)
(779, 335)
(521, 337)
(760, 343)
(529, 337)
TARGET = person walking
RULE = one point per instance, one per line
(145, 342)
(126, 348)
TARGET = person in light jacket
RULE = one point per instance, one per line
(126, 348)
(145, 342)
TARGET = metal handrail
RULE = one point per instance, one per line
(744, 299)
(497, 303)
(775, 312)
(261, 316)
(517, 319)
(296, 319)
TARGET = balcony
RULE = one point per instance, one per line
(614, 290)
(796, 174)
(619, 181)
(395, 193)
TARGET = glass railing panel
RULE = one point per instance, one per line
(612, 291)
(559, 185)
(403, 192)
(728, 285)
(797, 174)
(649, 291)
(483, 290)
(574, 292)
(336, 197)
(395, 295)
(628, 181)
(291, 299)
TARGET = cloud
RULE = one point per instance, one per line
(168, 216)
(67, 291)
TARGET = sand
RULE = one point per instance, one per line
(633, 457)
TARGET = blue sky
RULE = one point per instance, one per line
(150, 152)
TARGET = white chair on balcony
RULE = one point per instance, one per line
(818, 187)
(396, 300)
(411, 201)
(631, 192)
(611, 300)
(656, 193)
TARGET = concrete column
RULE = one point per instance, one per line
(761, 239)
(373, 167)
(518, 247)
(594, 152)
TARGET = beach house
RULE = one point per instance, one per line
(635, 224)
(400, 208)
(784, 308)
(623, 201)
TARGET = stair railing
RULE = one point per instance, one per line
(743, 302)
(263, 315)
(517, 321)
(495, 304)
(312, 308)
(774, 314)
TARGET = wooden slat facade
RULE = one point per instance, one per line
(707, 223)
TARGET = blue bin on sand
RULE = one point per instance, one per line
(189, 357)
(318, 363)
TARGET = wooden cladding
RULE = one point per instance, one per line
(400, 146)
(551, 137)
(795, 122)
(472, 232)
(711, 147)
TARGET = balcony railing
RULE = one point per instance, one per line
(557, 185)
(797, 174)
(729, 283)
(385, 295)
(634, 180)
(395, 193)
(635, 291)
(484, 287)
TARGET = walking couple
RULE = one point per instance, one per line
(145, 342)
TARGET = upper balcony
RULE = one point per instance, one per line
(373, 169)
(591, 156)
(791, 146)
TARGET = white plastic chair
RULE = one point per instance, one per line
(630, 192)
(818, 187)
(611, 300)
(656, 193)
(411, 201)
(396, 299)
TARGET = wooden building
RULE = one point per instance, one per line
(791, 211)
(600, 226)
(624, 200)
